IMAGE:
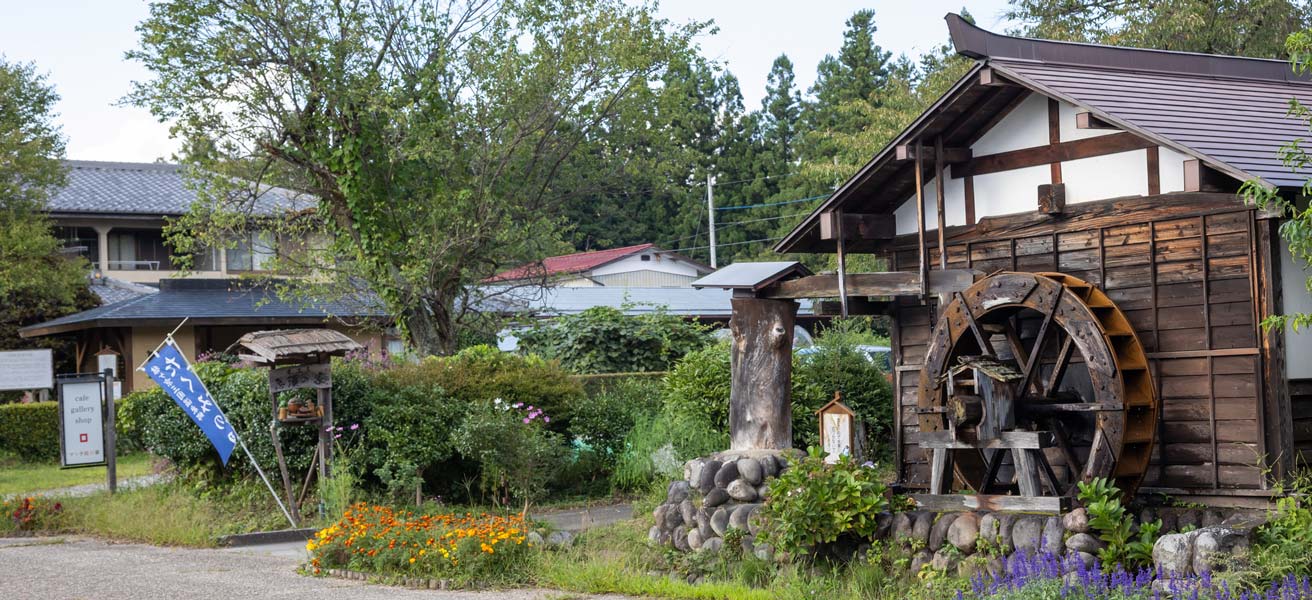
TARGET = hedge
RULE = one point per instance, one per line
(31, 431)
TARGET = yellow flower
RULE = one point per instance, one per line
(412, 560)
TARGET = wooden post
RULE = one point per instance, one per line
(920, 219)
(111, 433)
(282, 468)
(941, 204)
(760, 416)
(841, 245)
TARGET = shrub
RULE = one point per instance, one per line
(31, 431)
(813, 504)
(698, 388)
(603, 339)
(612, 410)
(465, 548)
(516, 454)
(657, 446)
(1108, 517)
(1284, 542)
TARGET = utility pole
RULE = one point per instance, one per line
(710, 214)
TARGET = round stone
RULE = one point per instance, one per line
(1006, 526)
(1076, 521)
(764, 552)
(715, 497)
(653, 535)
(720, 521)
(704, 525)
(692, 471)
(713, 545)
(921, 559)
(902, 528)
(749, 469)
(938, 534)
(1053, 535)
(741, 491)
(728, 472)
(680, 539)
(921, 525)
(694, 539)
(763, 491)
(1083, 542)
(673, 518)
(1027, 534)
(688, 513)
(560, 539)
(706, 480)
(1173, 554)
(769, 468)
(989, 528)
(964, 532)
(677, 493)
(741, 515)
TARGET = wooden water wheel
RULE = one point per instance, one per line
(1032, 383)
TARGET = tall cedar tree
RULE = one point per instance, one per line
(37, 281)
(430, 137)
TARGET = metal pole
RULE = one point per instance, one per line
(710, 215)
(111, 432)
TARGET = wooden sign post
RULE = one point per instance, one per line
(837, 429)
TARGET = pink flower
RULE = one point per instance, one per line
(530, 407)
(526, 419)
(328, 429)
(518, 404)
(547, 419)
(355, 426)
(337, 436)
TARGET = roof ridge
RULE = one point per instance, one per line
(121, 165)
(974, 42)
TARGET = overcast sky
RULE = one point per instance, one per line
(80, 44)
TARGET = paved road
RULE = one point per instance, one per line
(576, 520)
(80, 568)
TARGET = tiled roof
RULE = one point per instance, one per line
(569, 263)
(554, 301)
(1237, 122)
(112, 291)
(207, 302)
(141, 189)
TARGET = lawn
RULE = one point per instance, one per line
(25, 478)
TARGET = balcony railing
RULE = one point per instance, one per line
(134, 265)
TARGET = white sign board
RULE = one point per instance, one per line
(837, 436)
(107, 361)
(81, 418)
(27, 370)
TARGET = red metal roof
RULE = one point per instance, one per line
(569, 263)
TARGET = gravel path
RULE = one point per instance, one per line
(576, 520)
(77, 568)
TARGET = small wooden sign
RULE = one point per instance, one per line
(317, 375)
(837, 429)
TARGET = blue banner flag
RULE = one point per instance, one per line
(170, 369)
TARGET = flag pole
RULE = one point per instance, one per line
(251, 457)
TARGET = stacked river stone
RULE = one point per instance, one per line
(718, 493)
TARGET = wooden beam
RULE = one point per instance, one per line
(855, 306)
(1050, 505)
(1007, 440)
(1199, 177)
(989, 77)
(1052, 153)
(1088, 120)
(920, 218)
(940, 206)
(951, 155)
(1154, 171)
(1276, 403)
(1054, 136)
(896, 283)
(858, 227)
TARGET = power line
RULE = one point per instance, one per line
(773, 239)
(744, 207)
(746, 221)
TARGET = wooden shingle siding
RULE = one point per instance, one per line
(1186, 283)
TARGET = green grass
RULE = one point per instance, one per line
(28, 478)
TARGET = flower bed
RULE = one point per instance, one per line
(23, 516)
(463, 548)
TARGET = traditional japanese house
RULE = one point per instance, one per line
(1076, 289)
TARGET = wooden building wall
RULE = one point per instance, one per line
(1184, 269)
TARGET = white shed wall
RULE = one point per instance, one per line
(1296, 299)
(1102, 177)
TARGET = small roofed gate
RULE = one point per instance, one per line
(1185, 273)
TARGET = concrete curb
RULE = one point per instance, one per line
(257, 538)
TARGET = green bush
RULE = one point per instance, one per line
(612, 409)
(657, 446)
(31, 431)
(516, 454)
(603, 339)
(698, 386)
(813, 504)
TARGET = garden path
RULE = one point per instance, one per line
(576, 520)
(75, 567)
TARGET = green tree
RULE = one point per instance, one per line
(860, 69)
(1255, 28)
(37, 282)
(430, 138)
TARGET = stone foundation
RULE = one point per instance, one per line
(718, 493)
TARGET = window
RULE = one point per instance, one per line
(253, 252)
(138, 250)
(646, 257)
(80, 241)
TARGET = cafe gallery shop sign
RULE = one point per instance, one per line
(82, 420)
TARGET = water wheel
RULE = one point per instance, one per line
(1033, 382)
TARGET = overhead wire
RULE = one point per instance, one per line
(763, 205)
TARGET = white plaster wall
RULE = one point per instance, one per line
(954, 205)
(1069, 132)
(658, 262)
(1026, 126)
(1296, 299)
(1102, 177)
(1171, 164)
(1010, 192)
